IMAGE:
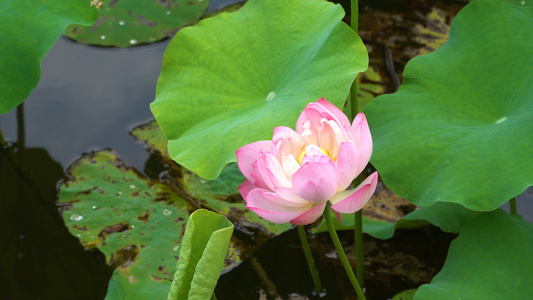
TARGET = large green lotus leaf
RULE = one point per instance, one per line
(136, 223)
(459, 129)
(28, 31)
(229, 80)
(490, 259)
(449, 217)
(204, 248)
(131, 22)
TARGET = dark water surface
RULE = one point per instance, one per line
(90, 98)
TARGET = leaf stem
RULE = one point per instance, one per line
(310, 260)
(342, 255)
(512, 206)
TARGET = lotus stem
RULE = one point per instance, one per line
(354, 22)
(512, 206)
(353, 89)
(359, 249)
(358, 230)
(342, 255)
(310, 260)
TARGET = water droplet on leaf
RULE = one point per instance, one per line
(76, 217)
(270, 96)
(167, 212)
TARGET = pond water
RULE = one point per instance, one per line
(90, 98)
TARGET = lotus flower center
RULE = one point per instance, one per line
(311, 149)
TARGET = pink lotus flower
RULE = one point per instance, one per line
(291, 178)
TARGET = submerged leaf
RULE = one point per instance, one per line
(231, 79)
(128, 218)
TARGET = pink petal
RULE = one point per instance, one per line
(324, 106)
(362, 136)
(350, 201)
(284, 132)
(284, 202)
(350, 163)
(338, 215)
(267, 200)
(315, 181)
(289, 194)
(310, 215)
(271, 171)
(248, 154)
(287, 141)
(275, 216)
(246, 187)
(319, 110)
(272, 208)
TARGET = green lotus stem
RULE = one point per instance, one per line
(359, 250)
(310, 260)
(512, 206)
(342, 255)
(358, 230)
(353, 89)
(355, 15)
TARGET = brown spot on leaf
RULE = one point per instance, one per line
(146, 22)
(124, 257)
(112, 229)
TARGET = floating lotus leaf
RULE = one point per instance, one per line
(490, 259)
(136, 223)
(152, 137)
(229, 80)
(28, 31)
(459, 129)
(131, 22)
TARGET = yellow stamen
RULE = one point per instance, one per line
(303, 153)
